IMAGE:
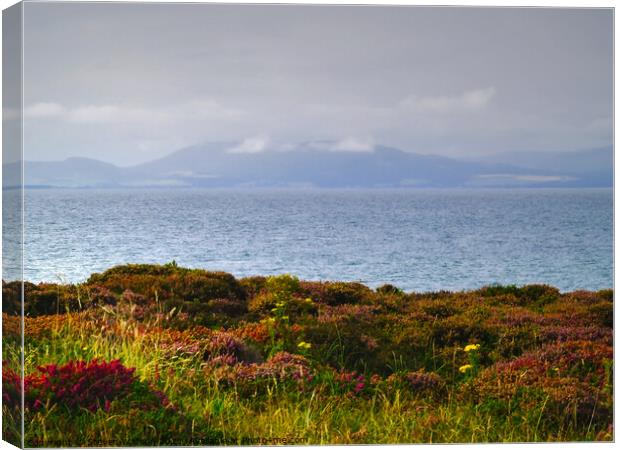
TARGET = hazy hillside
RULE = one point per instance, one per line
(571, 162)
(220, 165)
(72, 172)
(215, 165)
(592, 167)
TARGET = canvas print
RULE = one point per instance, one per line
(229, 224)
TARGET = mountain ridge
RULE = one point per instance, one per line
(319, 165)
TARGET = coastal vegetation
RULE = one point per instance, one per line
(163, 355)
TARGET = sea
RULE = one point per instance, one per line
(416, 239)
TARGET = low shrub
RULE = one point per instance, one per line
(389, 289)
(497, 290)
(252, 285)
(439, 309)
(262, 303)
(569, 378)
(282, 292)
(46, 298)
(130, 296)
(252, 378)
(462, 329)
(170, 282)
(225, 344)
(606, 294)
(12, 296)
(603, 313)
(96, 295)
(340, 293)
(420, 383)
(539, 293)
(205, 286)
(226, 307)
(79, 384)
(257, 332)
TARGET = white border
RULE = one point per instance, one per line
(477, 3)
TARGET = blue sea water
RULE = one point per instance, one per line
(418, 240)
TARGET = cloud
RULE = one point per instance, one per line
(473, 100)
(354, 145)
(36, 110)
(348, 144)
(114, 114)
(255, 144)
(127, 132)
(95, 114)
(43, 109)
(195, 110)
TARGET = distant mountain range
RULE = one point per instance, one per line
(321, 164)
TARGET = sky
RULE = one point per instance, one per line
(128, 83)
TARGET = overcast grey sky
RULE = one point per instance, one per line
(128, 83)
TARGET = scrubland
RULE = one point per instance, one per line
(163, 355)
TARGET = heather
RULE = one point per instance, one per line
(164, 355)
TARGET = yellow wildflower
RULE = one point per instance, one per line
(471, 347)
(465, 368)
(304, 345)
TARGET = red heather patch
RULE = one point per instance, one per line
(11, 387)
(79, 384)
(354, 383)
